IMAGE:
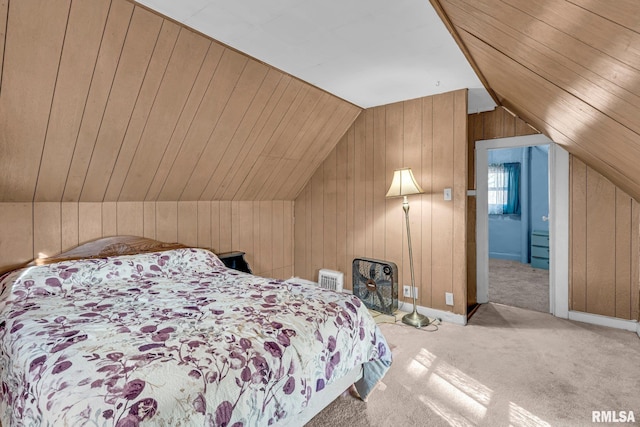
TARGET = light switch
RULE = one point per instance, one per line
(447, 194)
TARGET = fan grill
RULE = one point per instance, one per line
(375, 282)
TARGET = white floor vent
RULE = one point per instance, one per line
(330, 279)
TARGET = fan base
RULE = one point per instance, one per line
(415, 319)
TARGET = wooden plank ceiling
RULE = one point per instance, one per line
(569, 67)
(106, 101)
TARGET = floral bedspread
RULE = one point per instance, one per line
(171, 338)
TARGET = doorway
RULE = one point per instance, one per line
(518, 198)
(558, 218)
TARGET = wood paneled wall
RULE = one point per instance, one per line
(262, 229)
(104, 100)
(342, 212)
(605, 239)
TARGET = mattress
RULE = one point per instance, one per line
(173, 338)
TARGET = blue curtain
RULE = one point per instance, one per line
(512, 172)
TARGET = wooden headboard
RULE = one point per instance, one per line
(109, 246)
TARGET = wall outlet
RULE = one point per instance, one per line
(448, 298)
(406, 291)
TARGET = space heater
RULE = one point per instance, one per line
(330, 279)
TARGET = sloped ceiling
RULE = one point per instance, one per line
(369, 52)
(569, 67)
(107, 101)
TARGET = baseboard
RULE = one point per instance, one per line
(611, 322)
(505, 256)
(445, 316)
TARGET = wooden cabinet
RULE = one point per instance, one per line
(235, 260)
(540, 249)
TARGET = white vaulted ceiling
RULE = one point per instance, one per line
(368, 52)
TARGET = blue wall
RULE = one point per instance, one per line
(509, 235)
(539, 196)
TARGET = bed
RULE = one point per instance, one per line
(133, 332)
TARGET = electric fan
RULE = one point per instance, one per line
(375, 282)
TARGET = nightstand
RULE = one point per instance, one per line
(235, 260)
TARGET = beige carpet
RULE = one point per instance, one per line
(519, 285)
(508, 366)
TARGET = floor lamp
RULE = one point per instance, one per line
(404, 184)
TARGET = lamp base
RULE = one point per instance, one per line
(415, 319)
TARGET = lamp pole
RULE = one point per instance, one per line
(414, 319)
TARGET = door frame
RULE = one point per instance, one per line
(558, 218)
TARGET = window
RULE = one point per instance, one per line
(504, 189)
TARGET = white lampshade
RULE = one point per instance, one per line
(403, 184)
